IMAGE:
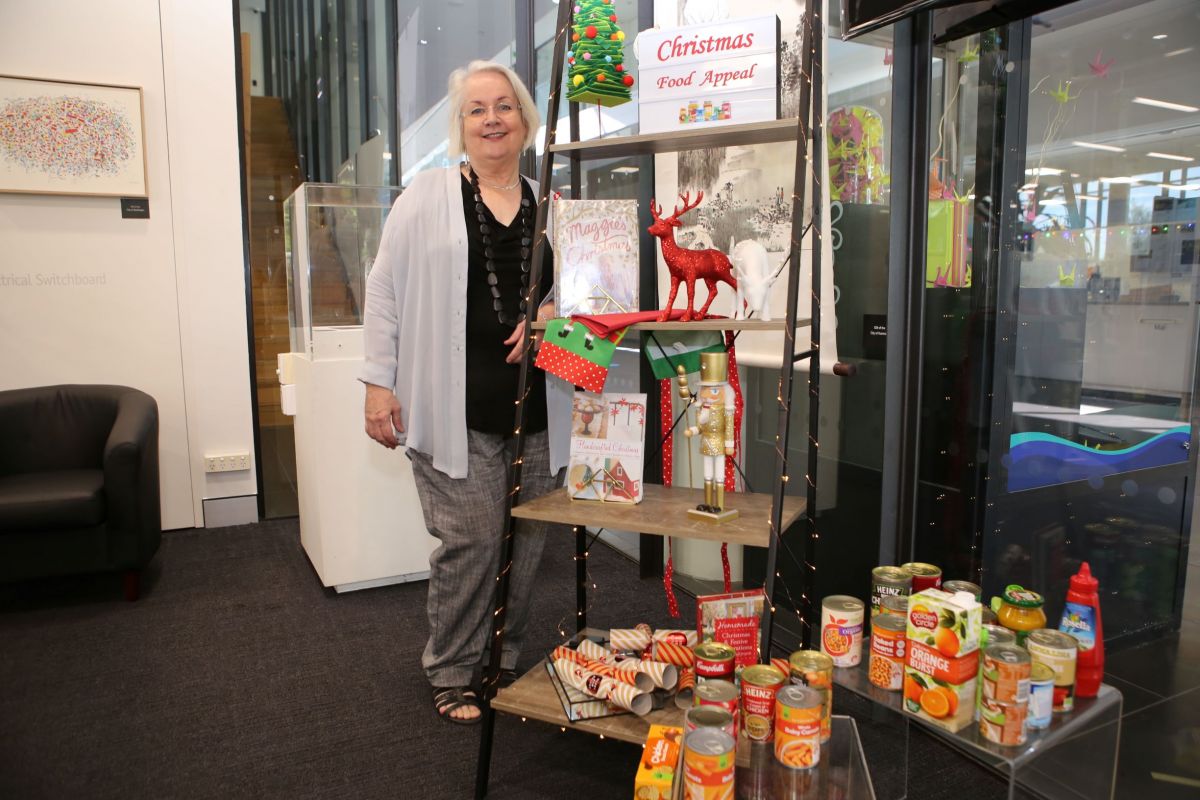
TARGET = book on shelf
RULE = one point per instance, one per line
(608, 447)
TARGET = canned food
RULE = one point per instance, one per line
(1002, 723)
(925, 576)
(814, 669)
(1060, 652)
(894, 604)
(991, 634)
(962, 586)
(888, 582)
(1006, 673)
(708, 764)
(719, 693)
(798, 727)
(885, 667)
(1041, 696)
(708, 717)
(760, 683)
(714, 661)
(988, 616)
(841, 629)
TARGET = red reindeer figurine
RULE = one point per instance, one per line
(689, 265)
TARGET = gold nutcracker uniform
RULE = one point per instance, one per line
(714, 425)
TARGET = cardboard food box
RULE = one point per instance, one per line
(943, 658)
(659, 766)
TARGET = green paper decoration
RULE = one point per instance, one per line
(592, 77)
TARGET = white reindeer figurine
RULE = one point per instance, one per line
(752, 268)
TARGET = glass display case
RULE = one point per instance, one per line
(331, 236)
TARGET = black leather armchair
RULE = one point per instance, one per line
(78, 482)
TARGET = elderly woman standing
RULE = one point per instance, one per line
(445, 332)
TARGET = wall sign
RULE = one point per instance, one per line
(706, 76)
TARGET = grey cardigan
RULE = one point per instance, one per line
(415, 322)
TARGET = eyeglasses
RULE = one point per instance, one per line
(501, 109)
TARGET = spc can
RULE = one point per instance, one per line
(1041, 696)
(1003, 723)
(1060, 652)
(885, 666)
(760, 684)
(888, 582)
(714, 661)
(798, 727)
(814, 669)
(841, 629)
(719, 693)
(895, 604)
(992, 634)
(708, 764)
(1006, 670)
(962, 586)
(708, 717)
(925, 576)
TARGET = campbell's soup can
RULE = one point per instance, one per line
(925, 576)
(1006, 670)
(760, 683)
(708, 717)
(714, 661)
(1060, 652)
(885, 665)
(1003, 723)
(841, 629)
(719, 693)
(708, 765)
(962, 586)
(814, 669)
(1041, 696)
(798, 727)
(888, 582)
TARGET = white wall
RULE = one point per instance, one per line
(169, 317)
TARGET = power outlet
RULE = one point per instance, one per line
(227, 463)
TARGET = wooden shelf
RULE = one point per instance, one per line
(663, 511)
(780, 130)
(719, 324)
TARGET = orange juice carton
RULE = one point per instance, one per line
(655, 779)
(943, 657)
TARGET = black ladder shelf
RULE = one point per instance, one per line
(528, 697)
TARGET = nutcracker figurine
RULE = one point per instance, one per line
(714, 424)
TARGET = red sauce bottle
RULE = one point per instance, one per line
(1081, 619)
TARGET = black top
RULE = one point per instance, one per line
(491, 383)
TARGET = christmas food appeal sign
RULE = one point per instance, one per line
(709, 75)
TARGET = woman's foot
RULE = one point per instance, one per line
(457, 704)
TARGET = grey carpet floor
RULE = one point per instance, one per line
(238, 675)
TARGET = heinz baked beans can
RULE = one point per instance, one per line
(841, 629)
(798, 727)
(719, 693)
(925, 576)
(714, 661)
(1003, 723)
(1006, 670)
(814, 669)
(708, 765)
(708, 717)
(760, 683)
(1060, 652)
(885, 665)
(888, 582)
(1041, 696)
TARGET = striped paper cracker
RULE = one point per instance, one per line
(676, 654)
(595, 652)
(629, 639)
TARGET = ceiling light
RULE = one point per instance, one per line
(1178, 52)
(423, 41)
(1096, 198)
(1170, 157)
(1057, 201)
(1159, 36)
(1191, 187)
(623, 170)
(1150, 101)
(1043, 171)
(1106, 147)
(1029, 187)
(1124, 179)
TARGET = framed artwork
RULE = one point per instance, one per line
(63, 137)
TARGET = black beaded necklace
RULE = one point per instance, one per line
(485, 233)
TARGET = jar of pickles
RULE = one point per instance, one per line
(1021, 611)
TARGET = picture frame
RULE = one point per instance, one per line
(63, 137)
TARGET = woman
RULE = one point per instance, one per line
(445, 334)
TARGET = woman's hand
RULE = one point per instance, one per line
(382, 412)
(517, 338)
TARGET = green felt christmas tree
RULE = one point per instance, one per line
(597, 74)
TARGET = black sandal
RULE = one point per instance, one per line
(449, 699)
(507, 678)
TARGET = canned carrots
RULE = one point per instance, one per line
(708, 765)
(798, 727)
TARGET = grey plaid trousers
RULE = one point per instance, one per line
(467, 516)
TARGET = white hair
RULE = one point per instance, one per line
(458, 82)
